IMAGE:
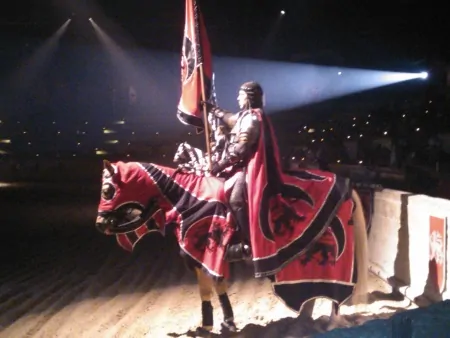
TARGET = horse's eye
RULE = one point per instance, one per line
(108, 191)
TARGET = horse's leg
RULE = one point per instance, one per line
(362, 263)
(307, 309)
(336, 320)
(228, 316)
(205, 285)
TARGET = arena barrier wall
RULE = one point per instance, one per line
(408, 243)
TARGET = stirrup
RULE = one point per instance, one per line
(238, 252)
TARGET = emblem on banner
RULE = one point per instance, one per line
(188, 60)
(438, 251)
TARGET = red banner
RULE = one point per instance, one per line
(196, 53)
(438, 251)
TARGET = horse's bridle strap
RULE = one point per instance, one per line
(151, 208)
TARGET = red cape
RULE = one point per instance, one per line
(299, 226)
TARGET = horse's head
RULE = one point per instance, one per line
(128, 198)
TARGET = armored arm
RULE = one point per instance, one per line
(227, 117)
(248, 135)
(246, 138)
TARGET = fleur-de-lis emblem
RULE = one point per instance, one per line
(436, 247)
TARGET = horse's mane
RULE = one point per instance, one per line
(134, 171)
(167, 170)
(174, 173)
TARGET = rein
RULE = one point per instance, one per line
(148, 211)
(151, 208)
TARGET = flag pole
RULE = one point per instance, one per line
(205, 117)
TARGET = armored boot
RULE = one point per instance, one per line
(240, 251)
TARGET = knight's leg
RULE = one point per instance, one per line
(205, 285)
(228, 316)
(238, 207)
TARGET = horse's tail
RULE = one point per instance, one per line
(361, 251)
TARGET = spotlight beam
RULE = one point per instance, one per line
(132, 76)
(118, 57)
(33, 67)
(270, 38)
(291, 85)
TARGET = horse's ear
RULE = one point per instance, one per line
(108, 166)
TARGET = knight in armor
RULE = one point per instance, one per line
(243, 132)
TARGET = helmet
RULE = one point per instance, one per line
(254, 93)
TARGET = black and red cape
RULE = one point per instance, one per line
(300, 231)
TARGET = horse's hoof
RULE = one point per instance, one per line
(200, 331)
(229, 326)
(203, 331)
(337, 323)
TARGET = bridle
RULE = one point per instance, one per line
(112, 215)
(148, 211)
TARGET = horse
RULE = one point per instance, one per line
(196, 206)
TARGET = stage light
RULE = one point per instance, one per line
(282, 12)
(423, 75)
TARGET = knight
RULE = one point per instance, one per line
(243, 131)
